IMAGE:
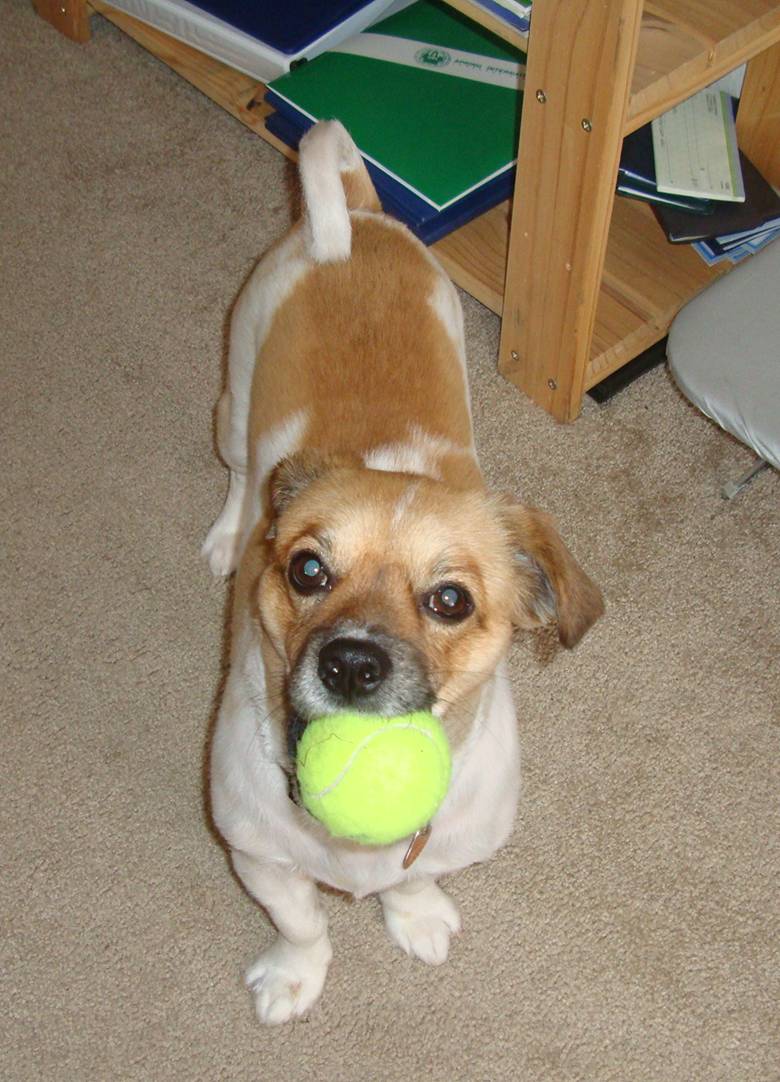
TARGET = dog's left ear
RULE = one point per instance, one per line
(551, 584)
(295, 473)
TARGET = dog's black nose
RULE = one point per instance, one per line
(353, 668)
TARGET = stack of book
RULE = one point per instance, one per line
(703, 190)
(738, 246)
(514, 13)
(433, 102)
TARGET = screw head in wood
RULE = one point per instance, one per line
(515, 355)
(586, 125)
(541, 97)
(552, 384)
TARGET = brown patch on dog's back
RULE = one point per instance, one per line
(368, 348)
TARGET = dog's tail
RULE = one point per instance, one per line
(334, 181)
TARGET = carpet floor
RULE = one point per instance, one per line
(628, 931)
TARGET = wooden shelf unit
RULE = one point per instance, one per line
(583, 281)
(590, 281)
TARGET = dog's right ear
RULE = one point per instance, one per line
(551, 584)
(295, 473)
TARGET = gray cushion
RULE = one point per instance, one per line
(724, 352)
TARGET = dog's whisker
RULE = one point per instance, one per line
(480, 675)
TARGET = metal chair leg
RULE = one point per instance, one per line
(730, 490)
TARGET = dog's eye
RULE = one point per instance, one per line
(450, 602)
(308, 574)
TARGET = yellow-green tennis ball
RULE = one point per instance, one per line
(373, 779)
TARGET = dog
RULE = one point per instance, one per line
(375, 572)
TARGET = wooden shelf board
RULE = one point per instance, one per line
(474, 256)
(239, 94)
(490, 22)
(686, 44)
(646, 282)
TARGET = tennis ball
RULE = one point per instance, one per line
(373, 779)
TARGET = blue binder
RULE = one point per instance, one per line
(286, 25)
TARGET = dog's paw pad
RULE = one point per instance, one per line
(286, 980)
(423, 928)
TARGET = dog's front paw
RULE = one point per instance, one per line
(421, 924)
(219, 549)
(286, 979)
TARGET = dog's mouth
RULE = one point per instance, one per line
(358, 669)
(295, 729)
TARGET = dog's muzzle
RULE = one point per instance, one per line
(355, 668)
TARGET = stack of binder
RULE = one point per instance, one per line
(432, 101)
(739, 212)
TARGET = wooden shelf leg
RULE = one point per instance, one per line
(758, 119)
(580, 63)
(70, 17)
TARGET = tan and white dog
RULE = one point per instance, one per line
(375, 572)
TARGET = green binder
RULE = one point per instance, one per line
(428, 96)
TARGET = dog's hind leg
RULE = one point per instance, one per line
(420, 918)
(289, 976)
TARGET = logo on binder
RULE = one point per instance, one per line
(432, 57)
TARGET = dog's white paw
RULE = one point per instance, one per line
(286, 980)
(422, 924)
(219, 549)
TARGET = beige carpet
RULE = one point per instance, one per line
(628, 932)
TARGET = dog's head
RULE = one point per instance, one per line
(388, 592)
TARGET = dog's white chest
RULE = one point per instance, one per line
(253, 810)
